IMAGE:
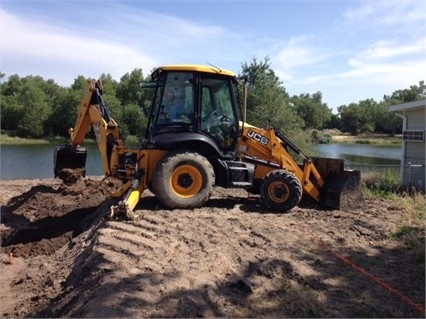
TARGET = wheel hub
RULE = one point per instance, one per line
(279, 191)
(185, 180)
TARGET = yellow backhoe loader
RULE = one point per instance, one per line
(196, 139)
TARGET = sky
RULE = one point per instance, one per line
(349, 50)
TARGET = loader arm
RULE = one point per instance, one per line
(324, 179)
(271, 146)
(307, 173)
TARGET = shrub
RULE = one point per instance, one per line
(382, 183)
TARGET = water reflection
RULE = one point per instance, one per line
(36, 161)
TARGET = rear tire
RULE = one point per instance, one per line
(280, 190)
(183, 180)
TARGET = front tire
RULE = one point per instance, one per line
(183, 180)
(280, 190)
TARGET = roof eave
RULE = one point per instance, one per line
(407, 106)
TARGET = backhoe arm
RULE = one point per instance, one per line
(82, 124)
(118, 161)
(93, 112)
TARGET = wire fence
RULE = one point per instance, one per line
(407, 177)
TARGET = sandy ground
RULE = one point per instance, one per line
(62, 257)
(338, 137)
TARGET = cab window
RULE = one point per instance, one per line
(176, 99)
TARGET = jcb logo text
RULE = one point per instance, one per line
(257, 137)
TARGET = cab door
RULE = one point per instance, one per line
(219, 117)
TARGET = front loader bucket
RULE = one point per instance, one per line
(342, 188)
(68, 157)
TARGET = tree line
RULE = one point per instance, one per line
(33, 107)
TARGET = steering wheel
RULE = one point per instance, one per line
(209, 116)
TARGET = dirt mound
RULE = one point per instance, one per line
(45, 218)
(229, 258)
(71, 176)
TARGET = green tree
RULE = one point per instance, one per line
(314, 112)
(27, 104)
(35, 111)
(11, 108)
(388, 122)
(65, 110)
(334, 122)
(414, 93)
(351, 118)
(134, 120)
(368, 109)
(11, 111)
(64, 113)
(267, 99)
(268, 103)
(129, 89)
(131, 96)
(385, 121)
(79, 84)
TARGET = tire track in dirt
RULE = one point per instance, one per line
(176, 263)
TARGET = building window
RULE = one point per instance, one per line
(413, 135)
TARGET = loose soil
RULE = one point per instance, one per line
(62, 256)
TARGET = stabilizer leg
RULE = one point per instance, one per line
(127, 205)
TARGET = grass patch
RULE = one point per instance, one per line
(364, 142)
(411, 232)
(375, 141)
(6, 139)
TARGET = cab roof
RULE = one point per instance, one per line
(195, 68)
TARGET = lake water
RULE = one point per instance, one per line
(36, 161)
(359, 154)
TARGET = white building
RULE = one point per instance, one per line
(413, 142)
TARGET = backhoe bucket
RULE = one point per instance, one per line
(342, 188)
(68, 157)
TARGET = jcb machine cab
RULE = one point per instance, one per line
(196, 140)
